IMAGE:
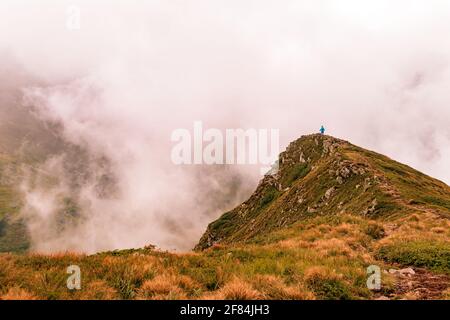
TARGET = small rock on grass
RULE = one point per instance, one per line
(405, 271)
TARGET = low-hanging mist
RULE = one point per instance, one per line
(375, 73)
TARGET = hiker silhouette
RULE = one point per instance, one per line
(322, 130)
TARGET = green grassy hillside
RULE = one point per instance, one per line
(13, 233)
(308, 232)
(323, 257)
(320, 176)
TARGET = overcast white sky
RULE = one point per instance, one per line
(375, 73)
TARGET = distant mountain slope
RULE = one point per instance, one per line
(321, 175)
(25, 142)
(13, 234)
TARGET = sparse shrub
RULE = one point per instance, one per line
(326, 284)
(387, 206)
(50, 283)
(168, 286)
(268, 197)
(375, 231)
(161, 285)
(208, 276)
(225, 224)
(331, 289)
(238, 289)
(324, 228)
(98, 290)
(344, 230)
(333, 247)
(441, 201)
(296, 172)
(273, 287)
(127, 273)
(125, 287)
(433, 255)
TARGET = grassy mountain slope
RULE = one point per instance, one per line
(309, 232)
(13, 233)
(322, 257)
(321, 175)
(26, 143)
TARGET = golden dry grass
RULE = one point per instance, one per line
(236, 289)
(99, 290)
(320, 258)
(168, 286)
(273, 287)
(17, 293)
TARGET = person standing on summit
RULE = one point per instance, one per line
(322, 130)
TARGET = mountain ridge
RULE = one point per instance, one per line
(322, 175)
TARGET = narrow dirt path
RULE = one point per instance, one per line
(421, 285)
